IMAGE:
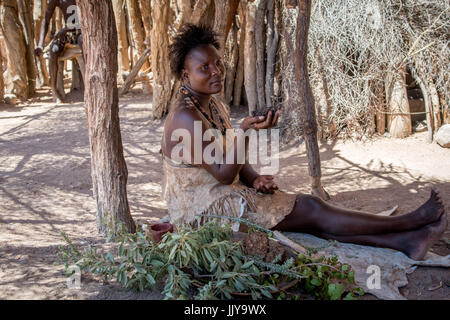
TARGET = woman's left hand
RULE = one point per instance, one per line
(265, 184)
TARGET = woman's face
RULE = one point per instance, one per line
(203, 70)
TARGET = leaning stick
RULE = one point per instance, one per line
(289, 243)
(131, 77)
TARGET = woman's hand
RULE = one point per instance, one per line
(259, 122)
(265, 184)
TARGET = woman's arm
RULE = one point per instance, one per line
(185, 119)
(248, 175)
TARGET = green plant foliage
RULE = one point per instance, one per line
(205, 264)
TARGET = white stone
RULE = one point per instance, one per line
(443, 136)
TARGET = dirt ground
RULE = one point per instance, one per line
(45, 189)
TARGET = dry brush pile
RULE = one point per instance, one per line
(359, 54)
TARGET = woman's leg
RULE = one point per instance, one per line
(311, 214)
(414, 244)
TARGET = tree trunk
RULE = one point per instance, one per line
(146, 12)
(2, 83)
(289, 98)
(427, 102)
(199, 11)
(108, 167)
(260, 52)
(185, 12)
(162, 84)
(327, 126)
(271, 49)
(231, 16)
(137, 29)
(59, 19)
(308, 117)
(25, 17)
(16, 70)
(435, 104)
(222, 9)
(250, 57)
(381, 119)
(77, 78)
(232, 61)
(38, 15)
(238, 82)
(60, 80)
(399, 123)
(121, 23)
(445, 108)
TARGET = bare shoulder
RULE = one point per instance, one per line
(184, 113)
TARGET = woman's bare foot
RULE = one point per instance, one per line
(425, 237)
(430, 211)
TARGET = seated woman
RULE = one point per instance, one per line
(195, 187)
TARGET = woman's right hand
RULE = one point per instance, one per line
(259, 122)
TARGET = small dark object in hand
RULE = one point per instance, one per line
(265, 113)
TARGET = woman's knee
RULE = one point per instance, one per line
(308, 202)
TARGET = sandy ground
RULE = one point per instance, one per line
(45, 189)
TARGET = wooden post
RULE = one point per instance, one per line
(427, 102)
(250, 57)
(162, 84)
(120, 15)
(137, 28)
(77, 78)
(233, 51)
(25, 16)
(108, 167)
(222, 9)
(199, 10)
(399, 119)
(260, 52)
(2, 83)
(146, 12)
(271, 50)
(327, 127)
(237, 92)
(38, 15)
(307, 110)
(437, 122)
(16, 70)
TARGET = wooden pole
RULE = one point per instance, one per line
(399, 120)
(108, 167)
(162, 84)
(238, 83)
(250, 57)
(260, 52)
(427, 102)
(137, 28)
(25, 16)
(271, 50)
(120, 15)
(307, 109)
(16, 70)
(39, 9)
(2, 82)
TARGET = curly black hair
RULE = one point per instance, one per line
(189, 37)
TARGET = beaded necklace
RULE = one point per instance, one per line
(212, 106)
